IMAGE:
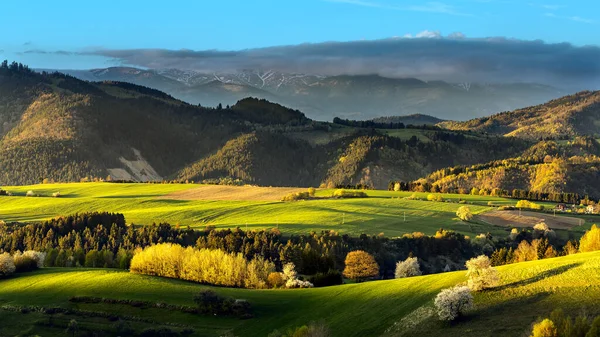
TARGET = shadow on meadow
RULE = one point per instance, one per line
(539, 277)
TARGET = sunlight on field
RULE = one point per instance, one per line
(527, 290)
(383, 212)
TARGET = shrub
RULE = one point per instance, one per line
(529, 204)
(330, 278)
(433, 197)
(590, 241)
(453, 302)
(298, 283)
(30, 194)
(349, 194)
(3, 192)
(56, 195)
(481, 274)
(296, 196)
(29, 260)
(311, 192)
(7, 265)
(275, 280)
(464, 213)
(291, 277)
(314, 329)
(210, 303)
(360, 266)
(545, 328)
(407, 268)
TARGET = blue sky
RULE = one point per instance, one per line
(241, 24)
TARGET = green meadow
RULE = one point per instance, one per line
(400, 307)
(384, 212)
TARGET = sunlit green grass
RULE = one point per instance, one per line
(383, 212)
(528, 290)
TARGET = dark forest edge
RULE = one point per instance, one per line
(104, 240)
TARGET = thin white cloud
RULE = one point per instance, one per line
(428, 7)
(571, 18)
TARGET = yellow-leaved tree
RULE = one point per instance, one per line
(590, 241)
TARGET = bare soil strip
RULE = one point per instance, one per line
(529, 219)
(238, 193)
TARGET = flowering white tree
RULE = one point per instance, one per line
(481, 274)
(7, 265)
(290, 276)
(407, 268)
(453, 302)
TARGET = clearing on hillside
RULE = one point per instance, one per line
(237, 193)
(529, 219)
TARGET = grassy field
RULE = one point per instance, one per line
(383, 212)
(389, 308)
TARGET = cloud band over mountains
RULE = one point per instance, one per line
(454, 58)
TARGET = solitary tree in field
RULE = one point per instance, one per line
(464, 213)
(451, 303)
(481, 274)
(360, 266)
(407, 268)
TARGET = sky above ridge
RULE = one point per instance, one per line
(212, 35)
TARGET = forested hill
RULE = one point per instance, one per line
(58, 128)
(562, 118)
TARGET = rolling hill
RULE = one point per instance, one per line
(59, 128)
(389, 308)
(565, 117)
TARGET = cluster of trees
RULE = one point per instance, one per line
(561, 325)
(89, 239)
(20, 262)
(209, 266)
(104, 239)
(425, 186)
(542, 243)
(382, 125)
(454, 302)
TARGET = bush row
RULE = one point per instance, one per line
(215, 267)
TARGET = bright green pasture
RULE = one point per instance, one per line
(381, 213)
(384, 212)
(527, 291)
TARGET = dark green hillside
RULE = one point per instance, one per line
(414, 119)
(264, 112)
(63, 129)
(262, 158)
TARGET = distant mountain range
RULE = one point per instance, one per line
(322, 98)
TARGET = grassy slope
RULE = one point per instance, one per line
(140, 204)
(529, 290)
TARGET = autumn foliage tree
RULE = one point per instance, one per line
(464, 213)
(591, 240)
(360, 266)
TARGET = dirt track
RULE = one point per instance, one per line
(529, 219)
(243, 193)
